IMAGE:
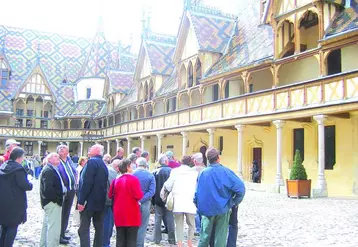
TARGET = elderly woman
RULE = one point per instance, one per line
(133, 158)
(126, 193)
(13, 184)
(182, 183)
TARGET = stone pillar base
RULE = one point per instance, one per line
(316, 193)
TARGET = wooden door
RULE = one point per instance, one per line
(257, 155)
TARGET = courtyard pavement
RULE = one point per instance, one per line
(264, 220)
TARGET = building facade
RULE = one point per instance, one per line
(282, 75)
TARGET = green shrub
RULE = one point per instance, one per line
(298, 171)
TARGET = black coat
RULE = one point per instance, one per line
(13, 186)
(50, 187)
(93, 184)
(161, 175)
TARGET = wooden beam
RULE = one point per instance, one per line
(264, 124)
(301, 120)
(344, 115)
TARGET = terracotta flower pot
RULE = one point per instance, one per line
(298, 188)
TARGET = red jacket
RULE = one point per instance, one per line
(7, 155)
(127, 193)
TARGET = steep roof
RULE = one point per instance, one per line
(87, 108)
(345, 21)
(160, 49)
(60, 57)
(120, 81)
(169, 86)
(213, 28)
(130, 98)
(251, 44)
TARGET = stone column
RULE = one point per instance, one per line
(159, 145)
(240, 130)
(185, 140)
(354, 120)
(39, 148)
(211, 137)
(81, 149)
(142, 139)
(129, 145)
(108, 147)
(321, 190)
(279, 179)
(117, 144)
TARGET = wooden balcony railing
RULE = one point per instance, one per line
(339, 89)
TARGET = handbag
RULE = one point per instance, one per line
(170, 202)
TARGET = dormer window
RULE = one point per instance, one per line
(88, 95)
(64, 81)
(4, 73)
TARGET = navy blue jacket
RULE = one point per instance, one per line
(13, 185)
(161, 175)
(93, 184)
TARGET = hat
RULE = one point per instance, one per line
(169, 154)
(212, 153)
(10, 142)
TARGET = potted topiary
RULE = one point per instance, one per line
(298, 185)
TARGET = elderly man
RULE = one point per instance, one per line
(52, 191)
(113, 172)
(161, 175)
(68, 174)
(9, 146)
(198, 166)
(119, 155)
(133, 158)
(218, 190)
(107, 159)
(92, 197)
(145, 155)
(147, 184)
(137, 151)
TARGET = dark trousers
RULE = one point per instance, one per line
(66, 210)
(8, 235)
(108, 225)
(84, 229)
(127, 236)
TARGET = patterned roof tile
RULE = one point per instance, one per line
(120, 81)
(87, 108)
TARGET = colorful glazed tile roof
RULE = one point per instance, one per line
(160, 50)
(60, 57)
(169, 86)
(339, 2)
(213, 32)
(251, 44)
(130, 98)
(120, 81)
(346, 21)
(87, 108)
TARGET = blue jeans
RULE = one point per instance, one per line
(145, 213)
(233, 228)
(108, 224)
(37, 171)
(197, 222)
(7, 236)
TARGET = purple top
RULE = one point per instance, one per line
(173, 164)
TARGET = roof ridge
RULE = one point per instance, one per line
(209, 10)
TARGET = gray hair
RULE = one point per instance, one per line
(60, 147)
(198, 157)
(145, 154)
(142, 162)
(100, 149)
(115, 164)
(132, 157)
(163, 159)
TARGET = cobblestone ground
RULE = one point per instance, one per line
(264, 220)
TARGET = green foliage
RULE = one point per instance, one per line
(298, 171)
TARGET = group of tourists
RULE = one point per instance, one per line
(121, 192)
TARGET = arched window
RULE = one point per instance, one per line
(190, 75)
(309, 32)
(198, 71)
(151, 90)
(145, 92)
(182, 77)
(285, 40)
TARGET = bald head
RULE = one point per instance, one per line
(53, 159)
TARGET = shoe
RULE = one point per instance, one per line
(66, 238)
(197, 234)
(165, 231)
(64, 241)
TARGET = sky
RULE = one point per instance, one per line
(121, 19)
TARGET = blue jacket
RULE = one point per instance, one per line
(93, 184)
(218, 189)
(147, 183)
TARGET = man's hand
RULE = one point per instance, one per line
(80, 207)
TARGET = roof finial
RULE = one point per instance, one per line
(148, 20)
(144, 24)
(100, 27)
